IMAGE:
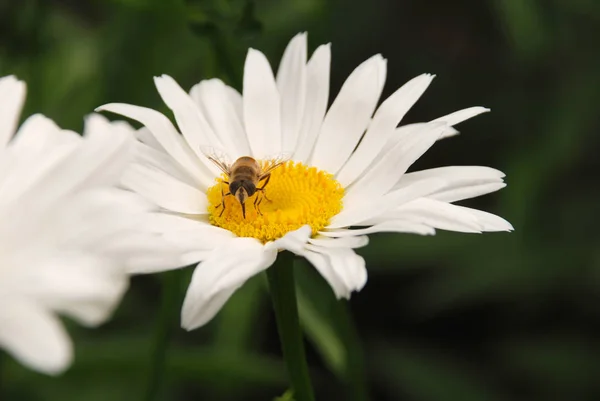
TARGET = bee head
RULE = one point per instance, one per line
(242, 190)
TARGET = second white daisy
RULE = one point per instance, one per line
(67, 235)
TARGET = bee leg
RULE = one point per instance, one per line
(265, 196)
(262, 189)
(257, 203)
(267, 178)
(223, 195)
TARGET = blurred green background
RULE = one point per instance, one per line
(451, 317)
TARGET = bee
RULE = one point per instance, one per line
(245, 176)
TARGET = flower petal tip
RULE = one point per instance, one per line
(187, 327)
(162, 78)
(57, 370)
(107, 107)
(186, 322)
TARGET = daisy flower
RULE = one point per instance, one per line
(66, 237)
(347, 176)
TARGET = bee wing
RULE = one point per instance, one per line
(271, 163)
(218, 157)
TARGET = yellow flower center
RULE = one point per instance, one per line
(295, 195)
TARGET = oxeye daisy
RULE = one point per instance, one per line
(67, 237)
(344, 176)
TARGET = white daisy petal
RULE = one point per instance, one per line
(97, 162)
(147, 155)
(165, 190)
(458, 117)
(12, 97)
(37, 133)
(197, 312)
(467, 192)
(450, 217)
(449, 132)
(237, 102)
(149, 254)
(291, 83)
(191, 121)
(98, 222)
(220, 109)
(317, 96)
(487, 221)
(389, 226)
(348, 116)
(463, 182)
(454, 175)
(404, 133)
(165, 134)
(188, 258)
(462, 115)
(92, 218)
(187, 234)
(438, 214)
(343, 269)
(387, 117)
(261, 106)
(357, 213)
(96, 124)
(323, 265)
(381, 74)
(108, 150)
(166, 223)
(384, 174)
(34, 337)
(451, 119)
(147, 138)
(216, 278)
(294, 241)
(64, 286)
(38, 141)
(204, 237)
(357, 241)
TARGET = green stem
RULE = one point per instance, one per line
(164, 330)
(283, 295)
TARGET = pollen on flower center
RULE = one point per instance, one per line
(296, 195)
